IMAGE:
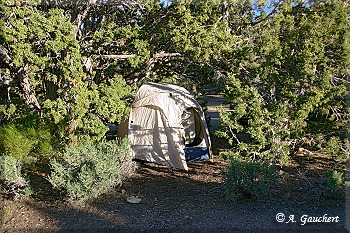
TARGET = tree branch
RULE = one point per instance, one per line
(161, 54)
(118, 57)
(28, 92)
(147, 72)
(4, 57)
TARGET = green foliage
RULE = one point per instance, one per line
(11, 179)
(7, 111)
(332, 187)
(199, 34)
(333, 181)
(197, 31)
(10, 170)
(43, 42)
(248, 179)
(25, 142)
(39, 40)
(74, 108)
(85, 171)
(81, 116)
(266, 129)
(337, 148)
(68, 105)
(14, 143)
(290, 82)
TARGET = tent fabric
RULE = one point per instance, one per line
(156, 125)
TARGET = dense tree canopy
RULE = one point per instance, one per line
(292, 83)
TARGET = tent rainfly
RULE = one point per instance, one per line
(167, 126)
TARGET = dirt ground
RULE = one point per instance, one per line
(180, 201)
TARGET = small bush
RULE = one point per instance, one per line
(14, 143)
(248, 179)
(88, 170)
(26, 143)
(332, 187)
(337, 148)
(333, 181)
(11, 179)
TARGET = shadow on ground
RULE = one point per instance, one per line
(173, 201)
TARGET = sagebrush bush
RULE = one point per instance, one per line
(87, 170)
(248, 179)
(11, 179)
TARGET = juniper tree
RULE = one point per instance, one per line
(291, 82)
(43, 68)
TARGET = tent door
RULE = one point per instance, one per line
(196, 148)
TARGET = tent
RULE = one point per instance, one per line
(167, 126)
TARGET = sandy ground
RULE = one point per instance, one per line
(178, 201)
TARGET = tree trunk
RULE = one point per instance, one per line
(28, 93)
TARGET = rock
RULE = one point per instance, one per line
(133, 200)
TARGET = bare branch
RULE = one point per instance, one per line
(118, 57)
(161, 54)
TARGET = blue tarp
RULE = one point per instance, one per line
(196, 154)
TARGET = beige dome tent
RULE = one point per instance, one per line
(167, 126)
